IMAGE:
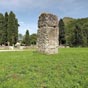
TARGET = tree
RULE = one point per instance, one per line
(77, 32)
(5, 28)
(1, 28)
(62, 39)
(33, 39)
(26, 39)
(79, 37)
(77, 41)
(16, 30)
(12, 28)
(86, 35)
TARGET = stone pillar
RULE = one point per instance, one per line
(48, 32)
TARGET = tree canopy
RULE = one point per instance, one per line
(8, 28)
(77, 32)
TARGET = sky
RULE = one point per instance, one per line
(28, 11)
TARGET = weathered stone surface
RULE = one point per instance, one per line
(48, 33)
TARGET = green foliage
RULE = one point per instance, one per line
(8, 28)
(16, 30)
(1, 28)
(30, 69)
(12, 28)
(62, 39)
(77, 33)
(33, 39)
(67, 20)
(26, 39)
(5, 28)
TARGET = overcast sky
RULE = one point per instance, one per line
(28, 11)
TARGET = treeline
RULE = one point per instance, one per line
(8, 28)
(27, 39)
(73, 32)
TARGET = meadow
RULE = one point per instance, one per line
(30, 69)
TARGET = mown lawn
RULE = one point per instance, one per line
(30, 69)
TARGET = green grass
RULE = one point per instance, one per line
(29, 69)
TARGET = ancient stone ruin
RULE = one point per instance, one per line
(48, 33)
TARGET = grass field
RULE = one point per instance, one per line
(29, 69)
